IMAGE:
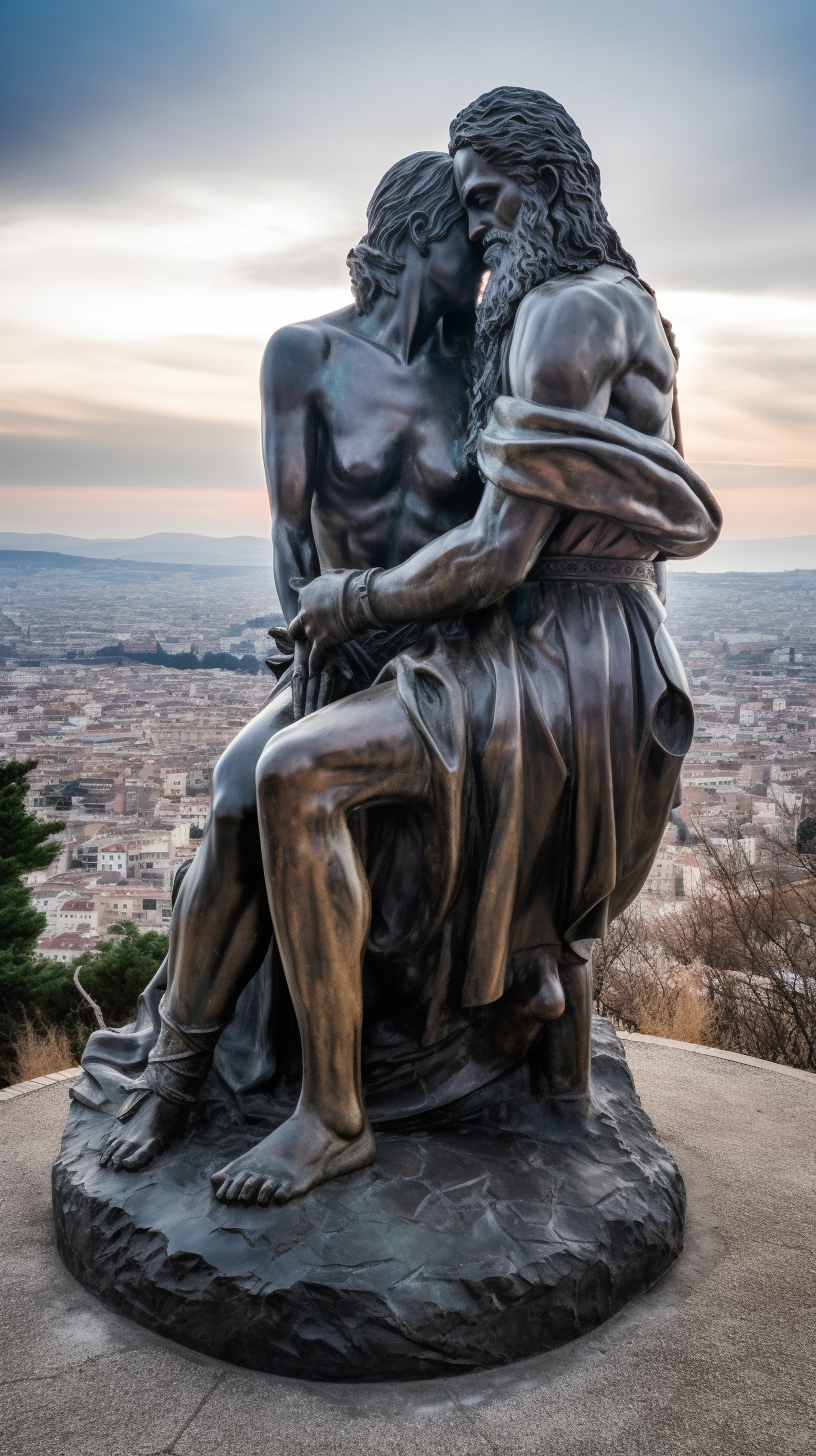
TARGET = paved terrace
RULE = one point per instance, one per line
(719, 1358)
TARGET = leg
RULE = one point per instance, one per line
(220, 930)
(357, 753)
(564, 1051)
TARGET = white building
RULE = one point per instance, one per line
(66, 946)
(665, 879)
(76, 915)
(112, 859)
(174, 785)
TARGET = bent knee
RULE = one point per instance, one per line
(287, 767)
(233, 795)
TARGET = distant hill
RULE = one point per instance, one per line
(781, 553)
(162, 546)
(119, 567)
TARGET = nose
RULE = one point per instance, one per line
(477, 225)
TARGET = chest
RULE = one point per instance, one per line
(383, 424)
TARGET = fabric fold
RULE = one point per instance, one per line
(581, 462)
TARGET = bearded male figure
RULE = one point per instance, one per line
(536, 730)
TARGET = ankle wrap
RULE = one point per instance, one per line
(176, 1067)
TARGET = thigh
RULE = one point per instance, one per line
(354, 754)
(234, 777)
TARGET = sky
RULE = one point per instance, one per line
(179, 178)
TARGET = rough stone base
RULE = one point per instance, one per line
(501, 1231)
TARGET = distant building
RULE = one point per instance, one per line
(175, 785)
(112, 859)
(72, 914)
(65, 946)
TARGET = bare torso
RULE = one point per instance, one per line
(594, 341)
(365, 453)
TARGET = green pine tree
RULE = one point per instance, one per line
(23, 848)
(42, 990)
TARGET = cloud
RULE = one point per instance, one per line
(318, 263)
(182, 177)
(701, 116)
(747, 376)
(147, 450)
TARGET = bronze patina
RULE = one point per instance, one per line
(475, 741)
(471, 761)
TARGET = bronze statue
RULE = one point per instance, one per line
(364, 423)
(483, 738)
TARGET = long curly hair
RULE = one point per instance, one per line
(522, 132)
(422, 183)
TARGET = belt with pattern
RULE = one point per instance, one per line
(602, 569)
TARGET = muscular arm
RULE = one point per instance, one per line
(290, 443)
(568, 352)
(567, 355)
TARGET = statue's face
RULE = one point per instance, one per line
(455, 266)
(491, 199)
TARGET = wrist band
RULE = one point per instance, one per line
(356, 607)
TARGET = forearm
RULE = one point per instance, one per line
(294, 558)
(466, 569)
(469, 567)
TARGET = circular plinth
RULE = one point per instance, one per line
(477, 1241)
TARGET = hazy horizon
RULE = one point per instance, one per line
(771, 554)
(182, 178)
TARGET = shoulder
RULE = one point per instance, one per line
(295, 350)
(575, 335)
(599, 301)
(296, 354)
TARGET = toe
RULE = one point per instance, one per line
(137, 1157)
(266, 1191)
(235, 1187)
(116, 1153)
(250, 1188)
(226, 1192)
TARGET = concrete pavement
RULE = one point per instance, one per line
(718, 1359)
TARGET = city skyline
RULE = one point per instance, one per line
(184, 179)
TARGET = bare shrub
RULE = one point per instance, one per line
(754, 928)
(644, 989)
(40, 1051)
(734, 967)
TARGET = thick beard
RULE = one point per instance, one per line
(527, 261)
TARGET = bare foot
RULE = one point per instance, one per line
(298, 1155)
(135, 1143)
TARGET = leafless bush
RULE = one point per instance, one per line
(754, 929)
(735, 967)
(643, 989)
